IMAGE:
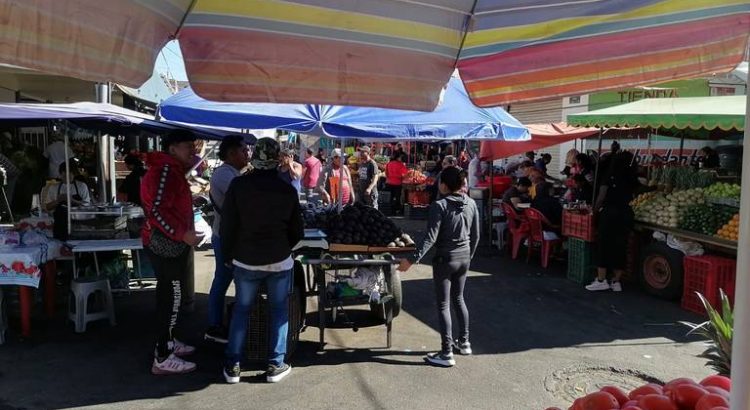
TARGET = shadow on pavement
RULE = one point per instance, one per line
(514, 306)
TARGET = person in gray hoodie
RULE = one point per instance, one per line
(453, 230)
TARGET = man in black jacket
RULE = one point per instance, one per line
(260, 224)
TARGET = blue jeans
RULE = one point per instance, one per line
(219, 286)
(246, 284)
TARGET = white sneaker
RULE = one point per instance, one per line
(616, 286)
(598, 285)
(464, 348)
(441, 359)
(180, 349)
(172, 365)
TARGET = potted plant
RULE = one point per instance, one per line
(718, 331)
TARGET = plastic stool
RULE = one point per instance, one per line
(80, 289)
(3, 319)
(500, 228)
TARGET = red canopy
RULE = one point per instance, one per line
(542, 136)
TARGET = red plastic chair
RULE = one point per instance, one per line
(518, 228)
(537, 222)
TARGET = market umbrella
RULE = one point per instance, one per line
(455, 118)
(542, 136)
(395, 54)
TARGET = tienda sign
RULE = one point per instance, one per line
(639, 94)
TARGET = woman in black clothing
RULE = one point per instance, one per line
(615, 218)
(130, 190)
(545, 203)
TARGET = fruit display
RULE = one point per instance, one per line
(356, 225)
(642, 198)
(705, 218)
(723, 190)
(667, 210)
(730, 230)
(712, 393)
(414, 177)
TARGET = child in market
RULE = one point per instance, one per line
(453, 229)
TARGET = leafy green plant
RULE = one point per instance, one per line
(718, 329)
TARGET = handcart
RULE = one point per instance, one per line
(332, 263)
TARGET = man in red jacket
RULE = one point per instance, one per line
(168, 235)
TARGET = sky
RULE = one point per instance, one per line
(170, 61)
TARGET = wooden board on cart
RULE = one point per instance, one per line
(340, 247)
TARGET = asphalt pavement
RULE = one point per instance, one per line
(538, 340)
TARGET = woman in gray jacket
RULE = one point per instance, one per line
(453, 229)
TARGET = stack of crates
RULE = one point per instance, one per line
(707, 274)
(580, 264)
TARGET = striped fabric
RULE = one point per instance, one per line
(97, 40)
(388, 53)
(523, 50)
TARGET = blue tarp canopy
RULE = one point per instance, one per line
(456, 117)
(98, 115)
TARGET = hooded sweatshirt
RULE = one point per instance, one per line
(166, 198)
(452, 228)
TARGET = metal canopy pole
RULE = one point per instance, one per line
(489, 218)
(741, 344)
(596, 169)
(682, 146)
(67, 180)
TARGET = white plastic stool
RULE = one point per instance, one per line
(3, 318)
(80, 289)
(500, 228)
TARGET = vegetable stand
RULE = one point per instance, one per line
(327, 274)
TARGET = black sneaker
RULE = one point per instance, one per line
(232, 373)
(216, 334)
(441, 359)
(276, 373)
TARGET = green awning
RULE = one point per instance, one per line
(695, 113)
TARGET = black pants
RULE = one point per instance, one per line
(395, 191)
(449, 276)
(170, 274)
(615, 224)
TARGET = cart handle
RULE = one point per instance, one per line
(350, 262)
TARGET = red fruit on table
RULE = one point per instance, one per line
(630, 403)
(718, 381)
(651, 388)
(711, 401)
(577, 404)
(677, 382)
(656, 402)
(553, 408)
(686, 395)
(717, 390)
(615, 391)
(599, 401)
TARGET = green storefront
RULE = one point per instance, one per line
(672, 89)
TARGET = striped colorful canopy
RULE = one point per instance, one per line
(387, 53)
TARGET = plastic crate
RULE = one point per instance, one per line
(580, 266)
(418, 197)
(707, 274)
(577, 225)
(258, 332)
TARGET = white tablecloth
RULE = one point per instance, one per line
(20, 265)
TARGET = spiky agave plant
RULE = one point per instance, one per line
(718, 329)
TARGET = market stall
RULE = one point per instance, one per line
(358, 239)
(31, 260)
(690, 211)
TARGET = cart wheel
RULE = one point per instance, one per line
(662, 271)
(394, 302)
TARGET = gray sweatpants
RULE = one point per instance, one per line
(449, 276)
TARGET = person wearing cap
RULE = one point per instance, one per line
(233, 152)
(368, 178)
(168, 236)
(290, 170)
(261, 222)
(330, 184)
(130, 189)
